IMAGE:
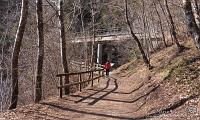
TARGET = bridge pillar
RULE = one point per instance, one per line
(99, 54)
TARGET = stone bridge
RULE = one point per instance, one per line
(116, 46)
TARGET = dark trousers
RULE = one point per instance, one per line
(107, 72)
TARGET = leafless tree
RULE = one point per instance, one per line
(160, 24)
(172, 26)
(197, 11)
(40, 58)
(63, 44)
(16, 51)
(191, 23)
(145, 59)
(93, 30)
(166, 18)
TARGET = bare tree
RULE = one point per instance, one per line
(168, 23)
(63, 44)
(160, 24)
(172, 25)
(151, 45)
(144, 20)
(40, 58)
(84, 32)
(145, 59)
(16, 51)
(191, 23)
(197, 12)
(93, 31)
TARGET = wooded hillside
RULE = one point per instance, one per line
(41, 38)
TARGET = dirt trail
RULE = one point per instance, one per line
(114, 98)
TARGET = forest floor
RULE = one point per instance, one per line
(170, 91)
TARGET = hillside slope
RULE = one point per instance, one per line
(178, 77)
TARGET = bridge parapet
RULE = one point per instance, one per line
(108, 37)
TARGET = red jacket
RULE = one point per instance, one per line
(107, 65)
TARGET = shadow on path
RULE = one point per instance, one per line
(114, 100)
(86, 112)
(84, 98)
(101, 97)
(163, 111)
(141, 85)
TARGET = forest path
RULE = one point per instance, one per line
(113, 98)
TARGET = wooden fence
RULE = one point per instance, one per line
(99, 72)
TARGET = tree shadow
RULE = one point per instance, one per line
(84, 98)
(86, 112)
(168, 109)
(141, 85)
(148, 116)
(143, 104)
(114, 100)
(109, 92)
(99, 91)
(192, 60)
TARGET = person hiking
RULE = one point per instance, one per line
(107, 67)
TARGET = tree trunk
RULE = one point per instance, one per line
(84, 34)
(16, 51)
(93, 34)
(191, 23)
(168, 23)
(145, 42)
(4, 71)
(145, 59)
(150, 36)
(154, 31)
(40, 32)
(172, 25)
(197, 12)
(160, 24)
(63, 45)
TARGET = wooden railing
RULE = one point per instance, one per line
(99, 72)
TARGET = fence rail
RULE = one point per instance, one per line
(100, 73)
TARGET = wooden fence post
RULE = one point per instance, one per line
(102, 73)
(92, 79)
(61, 84)
(89, 77)
(99, 76)
(80, 85)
